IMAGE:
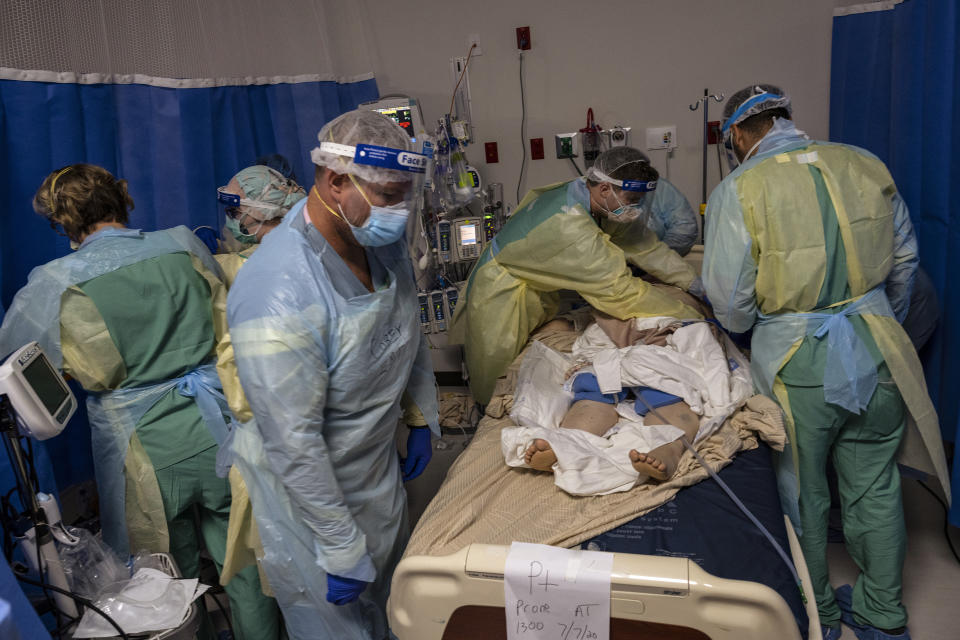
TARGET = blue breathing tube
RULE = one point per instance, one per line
(723, 485)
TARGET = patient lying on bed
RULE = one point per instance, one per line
(665, 365)
(596, 413)
(599, 416)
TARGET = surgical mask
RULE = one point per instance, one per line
(238, 232)
(384, 225)
(623, 213)
(732, 160)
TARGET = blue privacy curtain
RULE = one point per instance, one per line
(895, 90)
(173, 146)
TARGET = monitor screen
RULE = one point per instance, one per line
(46, 383)
(468, 234)
(403, 116)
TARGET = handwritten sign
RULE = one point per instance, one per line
(557, 594)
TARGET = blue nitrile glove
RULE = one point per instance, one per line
(209, 237)
(654, 398)
(419, 451)
(586, 387)
(341, 591)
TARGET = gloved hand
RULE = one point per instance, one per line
(696, 288)
(419, 451)
(341, 591)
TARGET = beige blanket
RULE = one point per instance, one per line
(482, 500)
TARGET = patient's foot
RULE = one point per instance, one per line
(540, 455)
(659, 464)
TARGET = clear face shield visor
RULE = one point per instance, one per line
(245, 211)
(642, 191)
(390, 180)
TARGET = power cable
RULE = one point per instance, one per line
(574, 162)
(77, 598)
(523, 126)
(213, 594)
(946, 522)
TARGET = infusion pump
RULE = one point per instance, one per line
(460, 240)
(39, 394)
(437, 307)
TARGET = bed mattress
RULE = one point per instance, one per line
(701, 523)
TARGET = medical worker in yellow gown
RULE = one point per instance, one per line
(578, 236)
(809, 244)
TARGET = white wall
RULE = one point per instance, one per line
(637, 63)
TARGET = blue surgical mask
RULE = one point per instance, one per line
(625, 212)
(233, 226)
(384, 226)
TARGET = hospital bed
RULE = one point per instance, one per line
(664, 583)
(693, 567)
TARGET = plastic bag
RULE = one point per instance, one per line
(150, 601)
(145, 560)
(90, 565)
(540, 399)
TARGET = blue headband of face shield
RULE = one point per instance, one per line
(375, 156)
(639, 185)
(747, 104)
(228, 199)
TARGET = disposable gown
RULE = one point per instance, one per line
(115, 411)
(553, 243)
(673, 219)
(776, 290)
(231, 262)
(324, 363)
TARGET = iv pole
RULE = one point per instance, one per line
(705, 100)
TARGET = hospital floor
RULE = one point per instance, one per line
(931, 574)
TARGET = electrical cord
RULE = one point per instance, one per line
(574, 162)
(213, 594)
(523, 126)
(946, 522)
(719, 160)
(77, 598)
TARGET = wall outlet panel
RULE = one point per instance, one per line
(523, 38)
(536, 148)
(566, 145)
(474, 39)
(490, 152)
(662, 137)
(713, 132)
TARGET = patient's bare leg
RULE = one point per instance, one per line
(586, 415)
(661, 463)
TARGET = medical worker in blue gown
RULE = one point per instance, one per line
(329, 353)
(673, 220)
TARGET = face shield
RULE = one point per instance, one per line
(244, 217)
(391, 182)
(757, 103)
(242, 209)
(626, 212)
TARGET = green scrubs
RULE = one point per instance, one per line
(172, 338)
(863, 449)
